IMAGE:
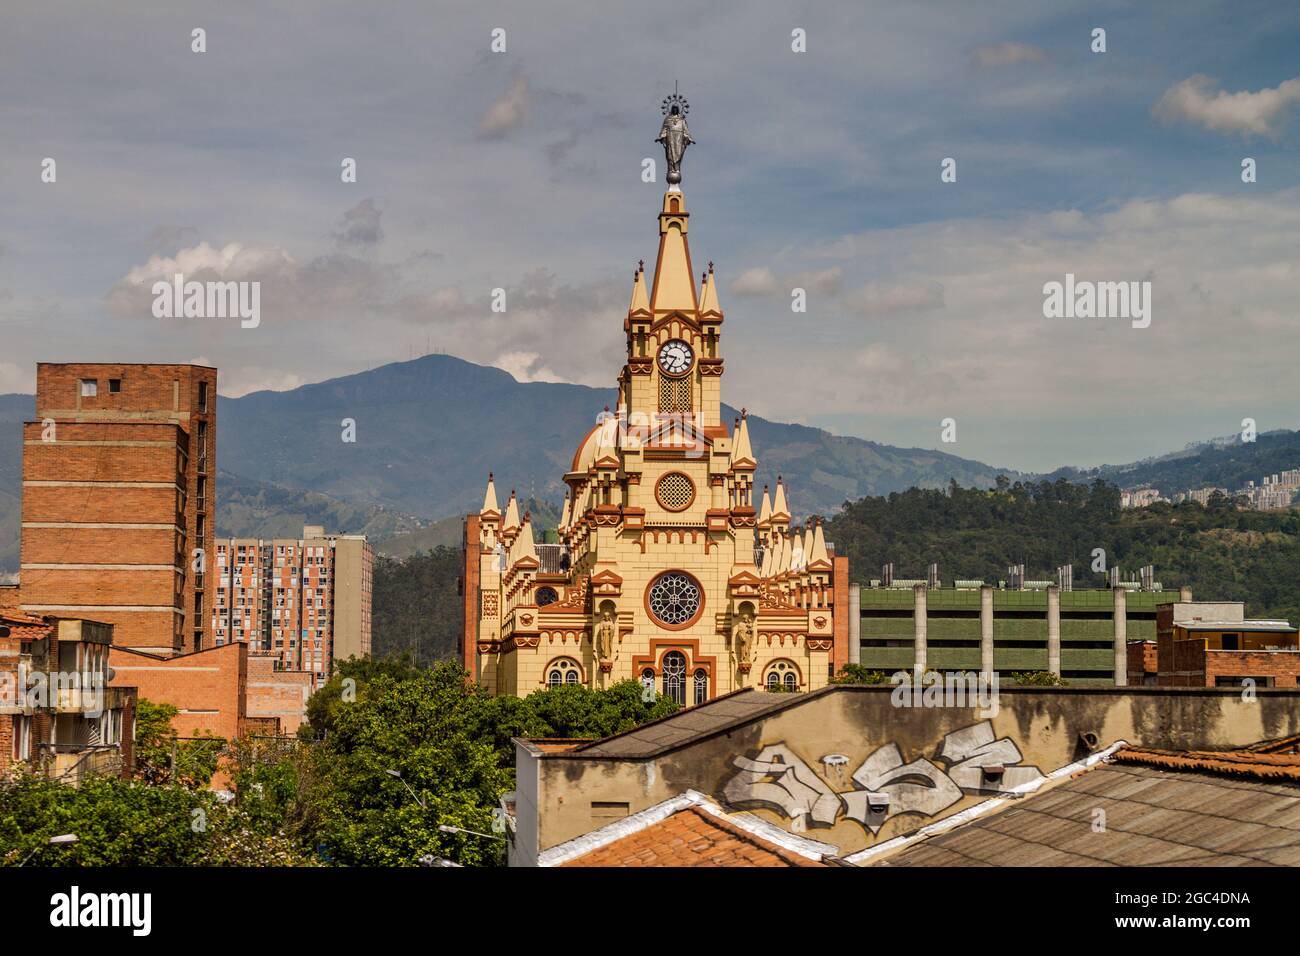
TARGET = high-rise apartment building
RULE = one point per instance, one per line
(305, 601)
(119, 474)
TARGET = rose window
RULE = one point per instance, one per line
(674, 598)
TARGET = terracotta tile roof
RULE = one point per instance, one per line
(24, 626)
(1243, 764)
(691, 837)
(1277, 746)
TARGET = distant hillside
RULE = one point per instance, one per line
(446, 532)
(1223, 554)
(14, 410)
(1228, 465)
(429, 430)
(253, 509)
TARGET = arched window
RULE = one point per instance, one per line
(675, 677)
(562, 671)
(701, 686)
(648, 679)
(782, 676)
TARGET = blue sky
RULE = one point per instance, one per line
(820, 169)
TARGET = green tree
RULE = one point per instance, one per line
(157, 747)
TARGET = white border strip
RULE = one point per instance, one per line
(636, 822)
(980, 809)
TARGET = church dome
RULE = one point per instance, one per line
(585, 456)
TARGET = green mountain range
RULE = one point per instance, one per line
(429, 430)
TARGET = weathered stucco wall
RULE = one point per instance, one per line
(848, 767)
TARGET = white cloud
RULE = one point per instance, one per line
(1007, 54)
(755, 282)
(525, 367)
(236, 380)
(508, 111)
(877, 298)
(1196, 100)
(14, 378)
(820, 282)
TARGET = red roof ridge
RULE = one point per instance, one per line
(1245, 764)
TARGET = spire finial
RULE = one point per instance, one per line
(674, 134)
(710, 267)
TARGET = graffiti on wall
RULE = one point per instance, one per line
(971, 760)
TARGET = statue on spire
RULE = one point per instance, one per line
(675, 134)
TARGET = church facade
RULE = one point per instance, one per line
(672, 568)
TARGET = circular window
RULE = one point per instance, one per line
(546, 596)
(675, 491)
(675, 599)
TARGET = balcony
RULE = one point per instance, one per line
(89, 699)
(72, 764)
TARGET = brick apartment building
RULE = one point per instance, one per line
(303, 602)
(119, 473)
(1213, 644)
(58, 714)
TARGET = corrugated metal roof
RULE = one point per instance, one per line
(690, 724)
(1152, 817)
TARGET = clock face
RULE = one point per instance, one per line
(675, 357)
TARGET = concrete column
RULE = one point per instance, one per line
(918, 626)
(1054, 630)
(1121, 637)
(1184, 594)
(855, 623)
(986, 632)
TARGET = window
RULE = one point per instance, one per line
(782, 676)
(674, 599)
(562, 671)
(114, 385)
(675, 677)
(648, 679)
(545, 596)
(701, 686)
(674, 394)
(203, 396)
(22, 737)
(675, 491)
(89, 388)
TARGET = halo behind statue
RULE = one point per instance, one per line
(675, 99)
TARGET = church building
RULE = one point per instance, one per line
(672, 568)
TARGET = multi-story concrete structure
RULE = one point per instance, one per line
(303, 601)
(58, 715)
(1213, 644)
(848, 771)
(668, 569)
(1081, 636)
(119, 475)
(1140, 497)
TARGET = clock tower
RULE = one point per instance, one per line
(667, 570)
(674, 361)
